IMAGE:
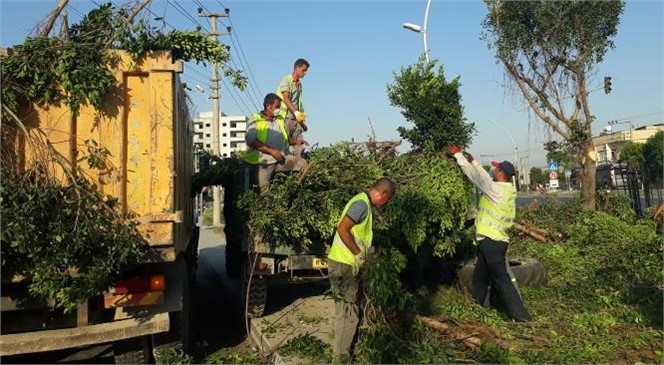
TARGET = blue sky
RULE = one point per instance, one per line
(354, 48)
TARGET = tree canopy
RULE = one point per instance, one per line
(632, 154)
(654, 157)
(549, 50)
(433, 104)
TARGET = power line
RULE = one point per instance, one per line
(254, 89)
(251, 74)
(184, 12)
(201, 5)
(230, 92)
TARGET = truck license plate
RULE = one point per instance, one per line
(320, 263)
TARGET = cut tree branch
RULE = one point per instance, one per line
(530, 232)
(469, 340)
(52, 18)
(138, 10)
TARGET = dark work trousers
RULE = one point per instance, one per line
(345, 291)
(491, 269)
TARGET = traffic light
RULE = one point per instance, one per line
(607, 84)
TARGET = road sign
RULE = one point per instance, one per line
(553, 184)
(553, 166)
(553, 175)
(568, 173)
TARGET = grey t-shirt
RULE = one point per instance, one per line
(294, 95)
(275, 138)
(358, 211)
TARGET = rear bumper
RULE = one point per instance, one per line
(29, 342)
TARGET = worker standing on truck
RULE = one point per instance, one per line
(351, 244)
(268, 143)
(290, 91)
(496, 211)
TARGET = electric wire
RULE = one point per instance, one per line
(251, 74)
(232, 92)
(253, 89)
(184, 12)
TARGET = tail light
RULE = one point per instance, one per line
(140, 284)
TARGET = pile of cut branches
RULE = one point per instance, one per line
(58, 230)
(429, 208)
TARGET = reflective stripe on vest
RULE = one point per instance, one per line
(362, 232)
(253, 156)
(284, 107)
(493, 219)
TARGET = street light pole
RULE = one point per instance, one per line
(516, 148)
(416, 28)
(424, 31)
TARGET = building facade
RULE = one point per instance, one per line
(231, 133)
(609, 144)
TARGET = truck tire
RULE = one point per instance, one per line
(254, 303)
(133, 351)
(528, 272)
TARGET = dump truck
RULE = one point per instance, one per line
(259, 264)
(147, 129)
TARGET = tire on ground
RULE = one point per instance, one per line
(254, 303)
(528, 272)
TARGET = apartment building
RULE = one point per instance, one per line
(231, 133)
(609, 143)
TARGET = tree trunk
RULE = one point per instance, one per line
(588, 170)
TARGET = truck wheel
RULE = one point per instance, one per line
(133, 351)
(527, 271)
(255, 307)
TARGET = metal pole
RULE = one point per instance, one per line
(424, 31)
(516, 148)
(216, 192)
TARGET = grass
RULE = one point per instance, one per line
(563, 331)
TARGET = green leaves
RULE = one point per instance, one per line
(433, 105)
(64, 238)
(76, 69)
(429, 208)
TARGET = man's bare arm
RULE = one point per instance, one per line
(346, 237)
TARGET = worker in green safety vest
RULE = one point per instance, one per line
(496, 211)
(292, 109)
(268, 142)
(351, 244)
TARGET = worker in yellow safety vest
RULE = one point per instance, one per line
(351, 244)
(496, 211)
(268, 142)
(290, 91)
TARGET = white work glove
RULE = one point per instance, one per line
(359, 261)
(299, 116)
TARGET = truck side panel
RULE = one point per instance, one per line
(146, 128)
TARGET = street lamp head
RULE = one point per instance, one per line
(413, 27)
(200, 88)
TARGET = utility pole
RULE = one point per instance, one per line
(216, 193)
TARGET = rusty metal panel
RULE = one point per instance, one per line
(147, 129)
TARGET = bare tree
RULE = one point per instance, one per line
(549, 50)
